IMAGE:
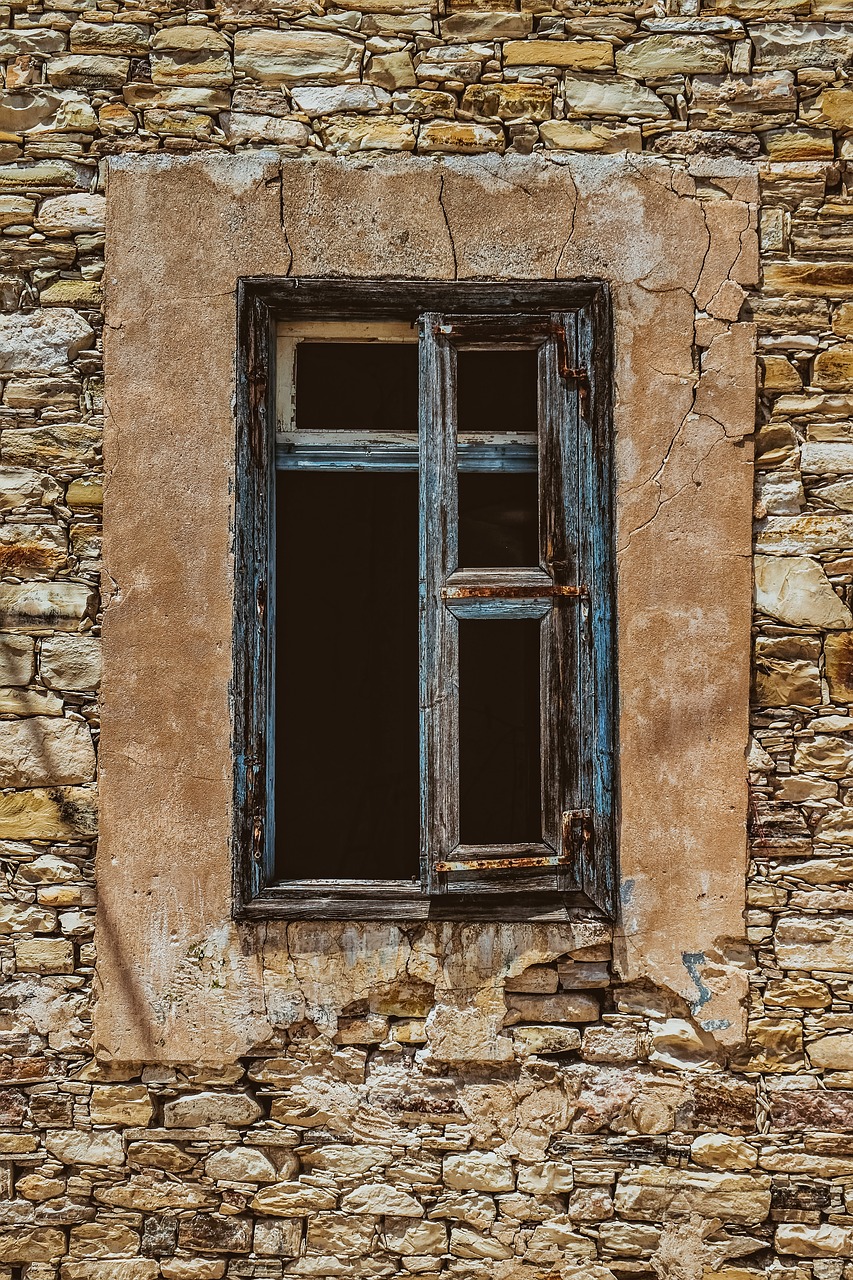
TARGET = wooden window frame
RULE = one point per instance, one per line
(573, 873)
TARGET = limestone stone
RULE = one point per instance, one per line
(404, 1236)
(381, 1198)
(827, 459)
(538, 978)
(38, 40)
(276, 1237)
(242, 127)
(16, 210)
(43, 750)
(803, 44)
(576, 55)
(489, 24)
(775, 445)
(21, 919)
(296, 57)
(580, 135)
(192, 56)
(833, 368)
(650, 1193)
(340, 1235)
(830, 756)
(552, 1177)
(460, 137)
(44, 955)
(240, 1164)
(796, 143)
(345, 134)
(345, 1161)
(743, 101)
(29, 702)
(70, 662)
(832, 1053)
(838, 650)
(796, 590)
(159, 1155)
(801, 1109)
(215, 1232)
(554, 1241)
(478, 1171)
(38, 174)
(111, 1269)
(102, 1239)
(676, 1043)
(100, 1148)
(660, 56)
(780, 374)
(42, 341)
(48, 868)
(392, 70)
(16, 659)
(196, 1109)
(842, 320)
(563, 1007)
(143, 1194)
(26, 1243)
(615, 96)
(510, 102)
(293, 1199)
(319, 100)
(722, 1151)
(546, 1039)
(836, 827)
(781, 535)
(812, 943)
(778, 493)
(54, 813)
(115, 37)
(610, 1044)
(87, 71)
(121, 1104)
(56, 444)
(807, 1241)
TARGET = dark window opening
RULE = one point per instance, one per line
(346, 722)
(357, 386)
(499, 773)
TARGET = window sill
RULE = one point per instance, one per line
(399, 900)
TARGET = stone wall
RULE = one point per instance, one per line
(619, 1139)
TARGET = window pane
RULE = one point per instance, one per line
(499, 768)
(357, 386)
(496, 391)
(346, 732)
(498, 519)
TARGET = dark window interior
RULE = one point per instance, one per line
(357, 386)
(496, 391)
(499, 771)
(346, 737)
(498, 519)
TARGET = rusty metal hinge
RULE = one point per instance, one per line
(578, 831)
(552, 591)
(578, 376)
(257, 836)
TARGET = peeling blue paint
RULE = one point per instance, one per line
(626, 891)
(691, 961)
(715, 1024)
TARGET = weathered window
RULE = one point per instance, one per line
(425, 683)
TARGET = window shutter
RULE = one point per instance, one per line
(559, 592)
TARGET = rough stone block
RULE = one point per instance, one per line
(43, 750)
(44, 955)
(296, 57)
(478, 1171)
(121, 1104)
(650, 1193)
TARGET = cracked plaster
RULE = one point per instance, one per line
(178, 980)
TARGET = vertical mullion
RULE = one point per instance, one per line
(439, 630)
(597, 862)
(562, 693)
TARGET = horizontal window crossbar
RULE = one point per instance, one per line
(396, 457)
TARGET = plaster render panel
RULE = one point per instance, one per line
(178, 979)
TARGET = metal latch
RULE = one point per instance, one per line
(578, 376)
(578, 831)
